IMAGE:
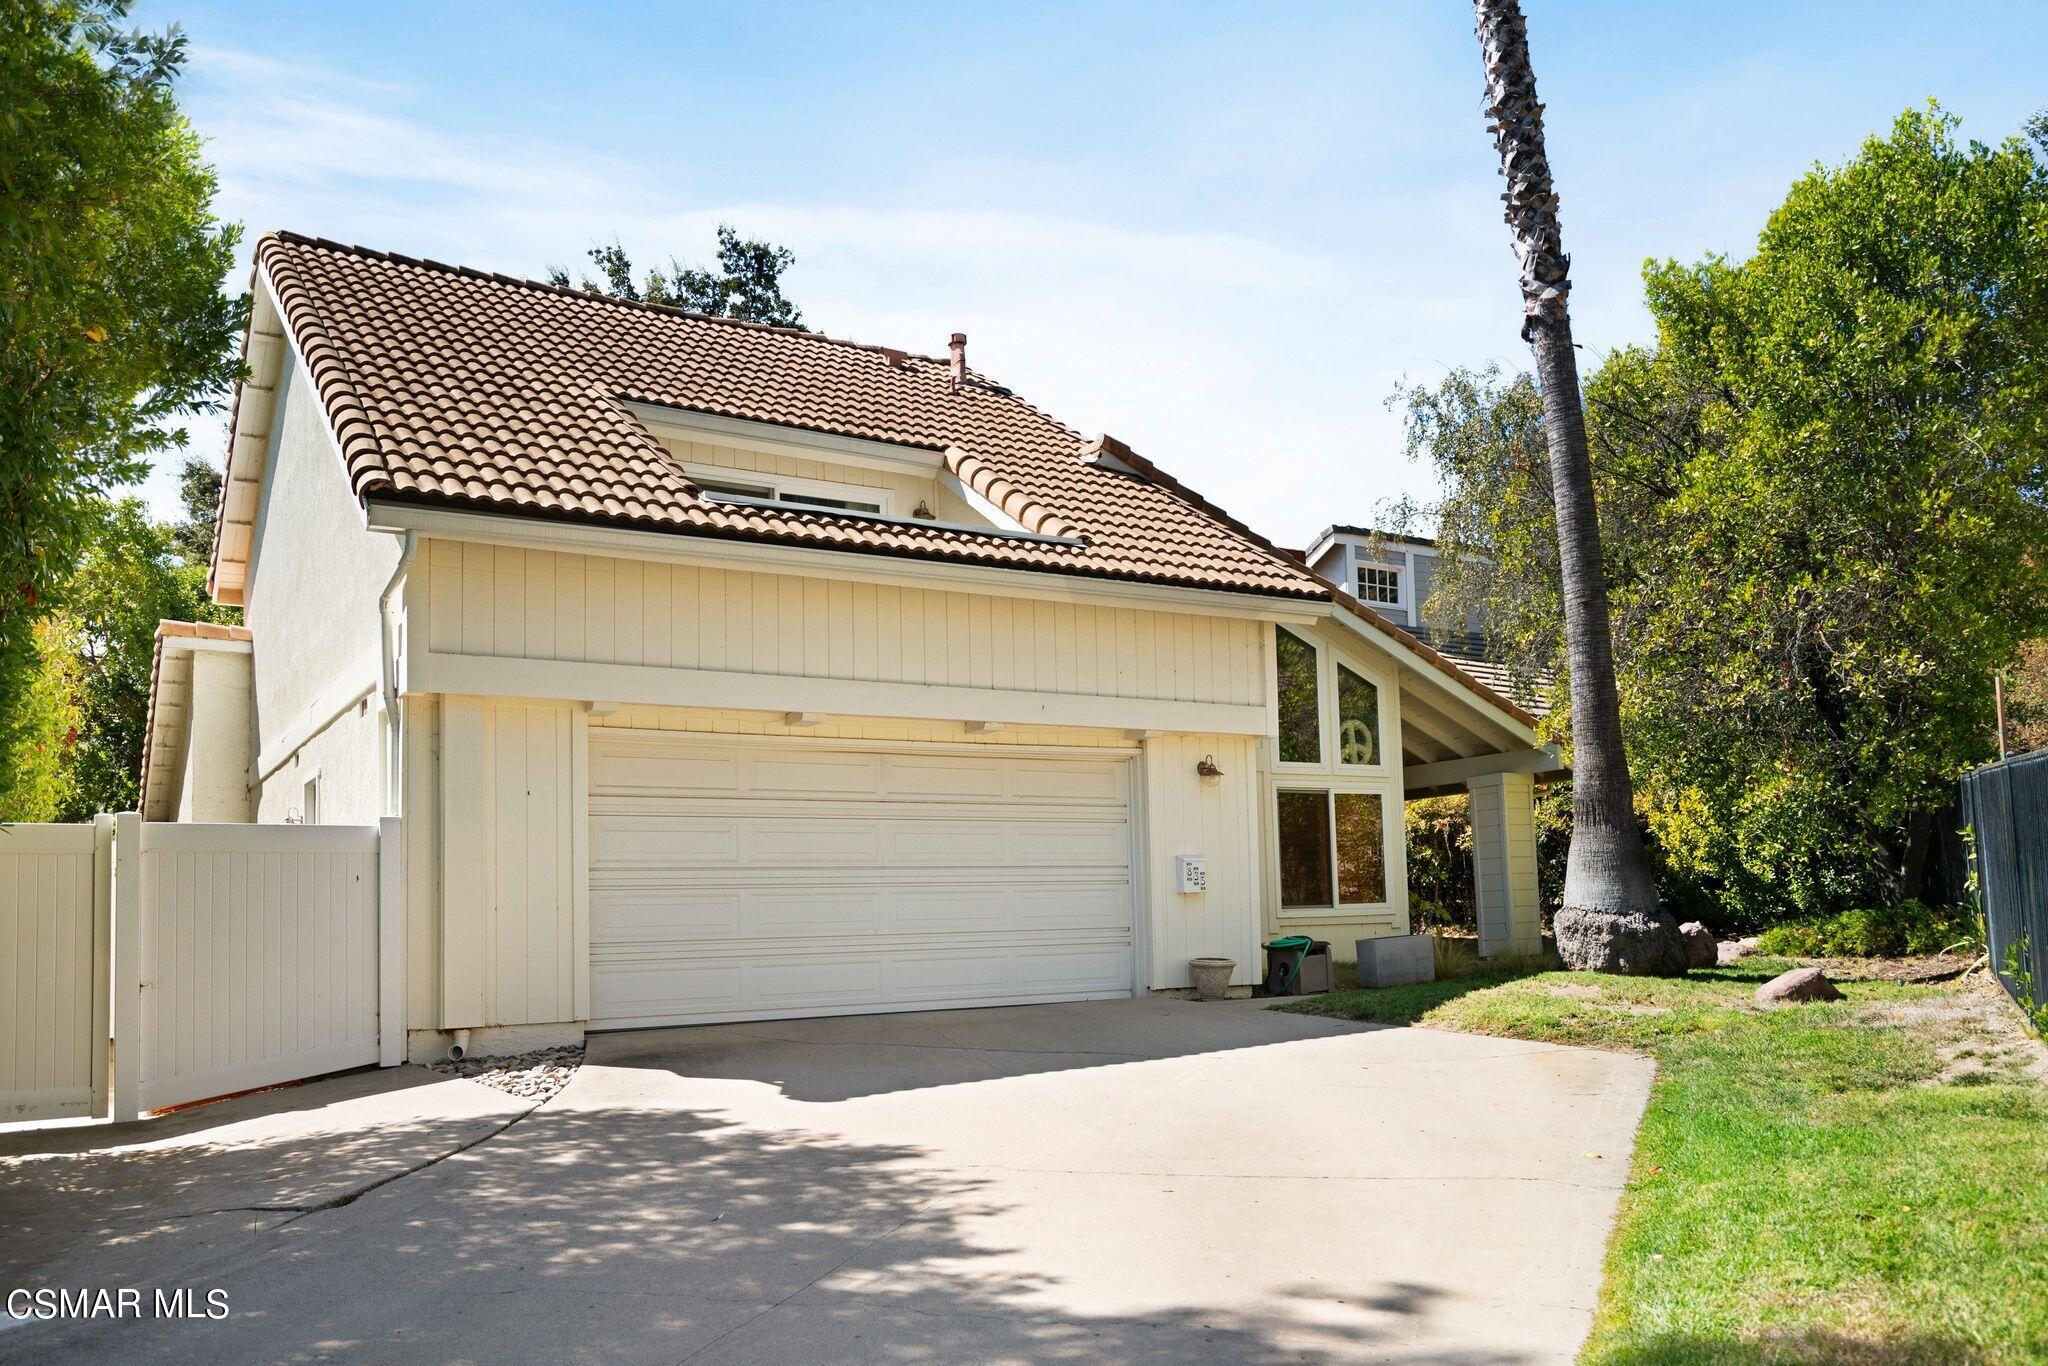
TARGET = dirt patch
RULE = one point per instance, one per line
(1904, 971)
(1977, 1031)
(1573, 991)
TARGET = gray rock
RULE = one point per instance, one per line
(1800, 984)
(1700, 949)
(1634, 943)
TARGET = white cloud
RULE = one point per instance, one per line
(1255, 370)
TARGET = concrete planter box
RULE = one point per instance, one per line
(1396, 960)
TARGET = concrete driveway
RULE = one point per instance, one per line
(1123, 1181)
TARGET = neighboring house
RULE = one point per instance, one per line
(1394, 575)
(721, 671)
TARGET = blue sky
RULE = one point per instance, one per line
(1220, 233)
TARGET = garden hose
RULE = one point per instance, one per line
(1291, 941)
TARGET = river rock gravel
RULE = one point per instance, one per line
(535, 1076)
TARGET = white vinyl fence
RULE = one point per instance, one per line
(224, 958)
(55, 932)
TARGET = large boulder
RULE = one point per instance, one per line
(1700, 949)
(1800, 984)
(1634, 943)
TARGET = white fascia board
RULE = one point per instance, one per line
(854, 566)
(795, 442)
(288, 349)
(174, 644)
(1445, 690)
(653, 685)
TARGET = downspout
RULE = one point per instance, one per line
(387, 676)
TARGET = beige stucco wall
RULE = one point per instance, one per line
(219, 739)
(315, 575)
(348, 756)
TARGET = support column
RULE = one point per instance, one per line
(1504, 864)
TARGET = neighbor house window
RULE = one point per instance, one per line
(1358, 719)
(1333, 849)
(1301, 728)
(1378, 585)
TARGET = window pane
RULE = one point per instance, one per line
(1301, 737)
(1304, 849)
(819, 500)
(1361, 849)
(1358, 719)
(1380, 585)
(725, 489)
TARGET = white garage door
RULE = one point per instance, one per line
(756, 879)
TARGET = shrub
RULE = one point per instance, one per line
(1879, 932)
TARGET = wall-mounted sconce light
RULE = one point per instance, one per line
(923, 512)
(1207, 768)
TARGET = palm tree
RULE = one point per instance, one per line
(1609, 920)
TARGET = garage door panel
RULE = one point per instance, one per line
(751, 879)
(1102, 783)
(654, 768)
(833, 844)
(967, 776)
(658, 842)
(815, 982)
(796, 773)
(642, 915)
(811, 911)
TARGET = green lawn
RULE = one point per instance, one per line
(1865, 1181)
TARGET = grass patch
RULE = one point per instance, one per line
(1844, 1182)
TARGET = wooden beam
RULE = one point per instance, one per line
(1544, 763)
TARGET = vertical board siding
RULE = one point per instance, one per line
(259, 956)
(540, 604)
(1185, 815)
(513, 894)
(51, 1045)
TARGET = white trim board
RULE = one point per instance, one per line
(856, 566)
(653, 685)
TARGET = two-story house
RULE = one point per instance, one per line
(722, 671)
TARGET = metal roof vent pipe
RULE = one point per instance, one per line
(959, 346)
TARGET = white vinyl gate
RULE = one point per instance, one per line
(215, 958)
(55, 900)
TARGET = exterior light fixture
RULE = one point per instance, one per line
(1207, 768)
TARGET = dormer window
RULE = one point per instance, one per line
(1379, 585)
(774, 490)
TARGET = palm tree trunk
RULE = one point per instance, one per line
(1609, 920)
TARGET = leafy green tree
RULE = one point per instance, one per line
(112, 322)
(746, 285)
(1824, 500)
(91, 680)
(40, 780)
(199, 491)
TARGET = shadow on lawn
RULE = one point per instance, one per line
(1392, 1005)
(1807, 1347)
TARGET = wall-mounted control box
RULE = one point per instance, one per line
(1192, 872)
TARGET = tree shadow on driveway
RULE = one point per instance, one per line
(613, 1234)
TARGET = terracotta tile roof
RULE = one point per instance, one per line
(161, 731)
(449, 386)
